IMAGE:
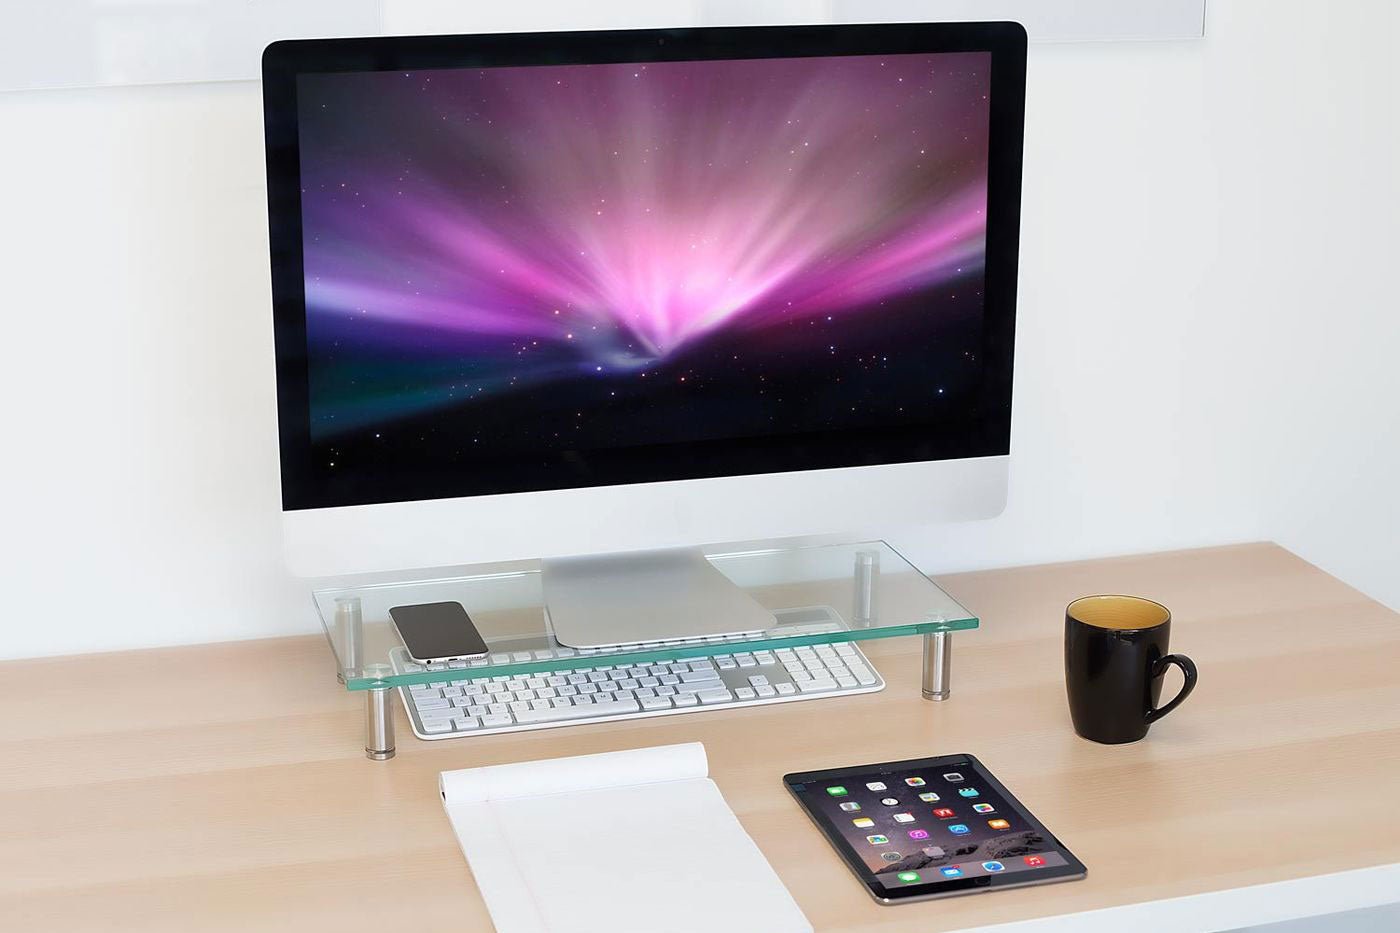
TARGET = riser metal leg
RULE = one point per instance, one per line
(938, 665)
(379, 715)
(379, 724)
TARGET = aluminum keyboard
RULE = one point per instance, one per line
(586, 689)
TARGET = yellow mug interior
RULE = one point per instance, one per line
(1121, 613)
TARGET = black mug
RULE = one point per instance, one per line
(1115, 658)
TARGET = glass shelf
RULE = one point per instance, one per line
(819, 594)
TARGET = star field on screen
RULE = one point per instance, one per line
(606, 255)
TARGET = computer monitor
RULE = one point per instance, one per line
(549, 295)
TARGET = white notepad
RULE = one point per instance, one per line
(633, 840)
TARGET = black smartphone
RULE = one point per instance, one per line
(437, 632)
(931, 827)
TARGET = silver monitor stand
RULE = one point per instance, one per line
(622, 599)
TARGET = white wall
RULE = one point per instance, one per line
(1206, 350)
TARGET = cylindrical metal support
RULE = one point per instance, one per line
(379, 724)
(867, 569)
(349, 628)
(938, 665)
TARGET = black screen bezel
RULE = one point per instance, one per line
(983, 430)
(1075, 869)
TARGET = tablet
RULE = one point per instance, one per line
(931, 827)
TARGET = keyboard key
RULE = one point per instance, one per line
(495, 720)
(728, 664)
(437, 726)
(650, 703)
(816, 686)
(717, 695)
(578, 712)
(465, 723)
(685, 699)
(786, 690)
(744, 693)
(431, 702)
(765, 691)
(702, 685)
(758, 680)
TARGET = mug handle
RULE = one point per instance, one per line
(1188, 671)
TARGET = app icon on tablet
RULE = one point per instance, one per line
(890, 802)
(979, 807)
(914, 781)
(952, 776)
(837, 791)
(968, 792)
(934, 851)
(850, 806)
(951, 871)
(918, 834)
(891, 856)
(993, 866)
(875, 785)
(863, 821)
(943, 813)
(928, 797)
(877, 839)
(1034, 861)
(904, 817)
(998, 824)
(959, 829)
(908, 877)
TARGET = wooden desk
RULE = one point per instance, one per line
(222, 787)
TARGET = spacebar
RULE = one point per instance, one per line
(553, 714)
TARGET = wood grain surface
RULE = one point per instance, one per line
(223, 787)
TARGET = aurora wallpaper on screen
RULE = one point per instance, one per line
(583, 257)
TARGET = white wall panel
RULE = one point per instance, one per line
(1206, 341)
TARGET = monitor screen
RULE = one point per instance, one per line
(550, 275)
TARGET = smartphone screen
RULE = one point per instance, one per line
(437, 632)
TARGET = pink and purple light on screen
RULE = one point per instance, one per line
(474, 234)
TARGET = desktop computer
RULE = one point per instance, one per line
(602, 298)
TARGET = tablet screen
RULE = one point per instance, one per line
(931, 826)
